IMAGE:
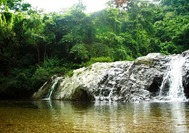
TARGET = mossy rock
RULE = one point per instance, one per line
(144, 61)
(148, 60)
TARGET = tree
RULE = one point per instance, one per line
(79, 53)
(2, 1)
(118, 3)
(72, 28)
(8, 43)
(35, 35)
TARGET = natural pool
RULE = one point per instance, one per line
(97, 117)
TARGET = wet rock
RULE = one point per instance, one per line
(46, 89)
(124, 81)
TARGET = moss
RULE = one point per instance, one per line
(144, 61)
(98, 59)
(70, 73)
(79, 73)
(90, 67)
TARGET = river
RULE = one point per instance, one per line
(96, 117)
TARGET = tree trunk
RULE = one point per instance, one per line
(38, 54)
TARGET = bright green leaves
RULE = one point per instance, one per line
(99, 50)
(15, 5)
(172, 33)
(79, 53)
(1, 1)
(34, 45)
(180, 7)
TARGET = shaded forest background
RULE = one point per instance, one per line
(35, 45)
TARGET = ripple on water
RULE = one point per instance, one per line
(60, 117)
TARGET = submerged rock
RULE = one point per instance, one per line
(125, 81)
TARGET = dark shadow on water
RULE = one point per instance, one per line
(81, 105)
(57, 104)
(18, 104)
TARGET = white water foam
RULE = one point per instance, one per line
(54, 83)
(171, 88)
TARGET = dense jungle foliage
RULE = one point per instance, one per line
(35, 45)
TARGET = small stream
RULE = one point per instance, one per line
(102, 117)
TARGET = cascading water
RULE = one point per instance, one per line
(172, 85)
(54, 83)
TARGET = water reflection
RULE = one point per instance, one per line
(179, 117)
(59, 116)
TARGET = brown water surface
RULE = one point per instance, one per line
(99, 117)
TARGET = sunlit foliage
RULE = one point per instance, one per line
(35, 45)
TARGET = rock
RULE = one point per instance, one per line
(85, 79)
(44, 91)
(124, 81)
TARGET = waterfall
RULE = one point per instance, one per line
(172, 85)
(54, 83)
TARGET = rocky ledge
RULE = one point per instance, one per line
(125, 81)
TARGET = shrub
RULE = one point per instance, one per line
(98, 59)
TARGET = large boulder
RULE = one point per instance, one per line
(126, 81)
(85, 81)
(136, 82)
